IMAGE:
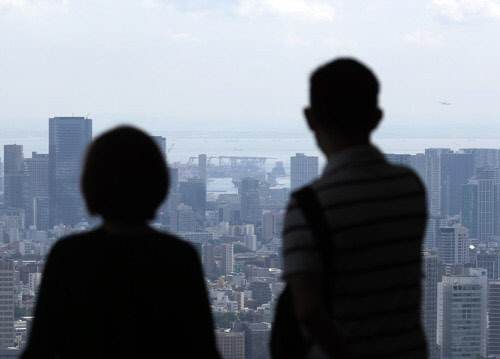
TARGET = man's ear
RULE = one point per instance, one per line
(308, 114)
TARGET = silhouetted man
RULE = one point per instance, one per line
(376, 214)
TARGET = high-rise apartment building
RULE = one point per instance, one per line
(462, 315)
(202, 167)
(194, 194)
(494, 318)
(68, 140)
(231, 345)
(7, 334)
(37, 169)
(303, 170)
(398, 159)
(453, 245)
(161, 142)
(433, 178)
(429, 301)
(251, 211)
(15, 177)
(456, 170)
(208, 259)
(479, 204)
(227, 263)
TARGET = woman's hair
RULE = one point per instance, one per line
(125, 177)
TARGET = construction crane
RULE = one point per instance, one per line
(170, 148)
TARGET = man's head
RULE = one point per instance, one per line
(343, 100)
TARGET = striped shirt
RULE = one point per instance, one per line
(376, 214)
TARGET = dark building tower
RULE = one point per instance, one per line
(456, 170)
(162, 144)
(37, 168)
(15, 177)
(194, 194)
(68, 139)
(479, 204)
(251, 212)
(429, 301)
(202, 166)
(494, 318)
(303, 169)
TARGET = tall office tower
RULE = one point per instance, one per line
(462, 316)
(453, 244)
(479, 204)
(194, 194)
(429, 301)
(231, 345)
(7, 334)
(41, 213)
(227, 264)
(15, 177)
(397, 159)
(251, 211)
(37, 168)
(489, 260)
(13, 159)
(185, 219)
(268, 226)
(432, 232)
(208, 259)
(418, 164)
(202, 167)
(161, 142)
(68, 140)
(257, 337)
(174, 179)
(456, 170)
(494, 318)
(433, 178)
(303, 170)
(484, 157)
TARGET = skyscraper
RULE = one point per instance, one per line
(251, 211)
(161, 142)
(15, 177)
(456, 170)
(479, 204)
(433, 178)
(37, 168)
(202, 167)
(429, 301)
(227, 265)
(7, 334)
(453, 244)
(462, 319)
(68, 140)
(494, 318)
(194, 194)
(303, 170)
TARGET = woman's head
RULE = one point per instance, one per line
(125, 177)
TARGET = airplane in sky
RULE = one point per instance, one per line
(445, 103)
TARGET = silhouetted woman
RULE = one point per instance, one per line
(123, 290)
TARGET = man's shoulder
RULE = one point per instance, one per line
(359, 176)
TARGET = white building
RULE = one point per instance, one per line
(453, 245)
(461, 315)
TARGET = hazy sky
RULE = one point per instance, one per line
(244, 64)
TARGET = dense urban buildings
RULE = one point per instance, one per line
(232, 211)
